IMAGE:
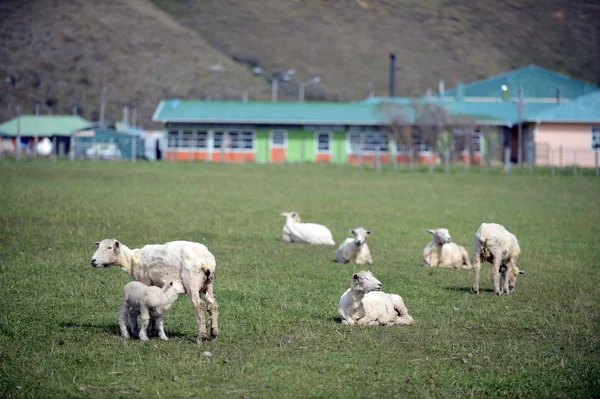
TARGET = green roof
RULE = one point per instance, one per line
(365, 113)
(537, 83)
(43, 125)
(585, 109)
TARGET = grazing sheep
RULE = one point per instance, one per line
(311, 233)
(185, 261)
(355, 250)
(496, 245)
(442, 252)
(149, 301)
(364, 304)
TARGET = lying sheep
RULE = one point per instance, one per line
(149, 301)
(442, 252)
(355, 250)
(496, 245)
(364, 304)
(185, 261)
(311, 233)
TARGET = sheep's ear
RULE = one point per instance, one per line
(368, 232)
(283, 214)
(355, 276)
(171, 283)
(522, 272)
(97, 244)
(431, 231)
(294, 214)
(352, 232)
(117, 244)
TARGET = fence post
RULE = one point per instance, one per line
(302, 150)
(507, 160)
(72, 144)
(54, 149)
(111, 143)
(133, 148)
(596, 160)
(447, 159)
(574, 163)
(560, 163)
(551, 162)
(377, 155)
(530, 156)
(195, 144)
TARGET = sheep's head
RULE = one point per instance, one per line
(360, 235)
(364, 281)
(292, 217)
(174, 285)
(107, 253)
(441, 236)
(512, 279)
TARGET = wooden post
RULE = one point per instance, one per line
(596, 160)
(507, 160)
(133, 148)
(18, 140)
(574, 163)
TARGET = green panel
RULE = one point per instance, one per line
(261, 146)
(338, 154)
(300, 145)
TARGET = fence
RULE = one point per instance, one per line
(566, 157)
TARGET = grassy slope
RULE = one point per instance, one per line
(278, 301)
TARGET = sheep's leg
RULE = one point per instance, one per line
(133, 321)
(496, 273)
(213, 311)
(507, 274)
(403, 317)
(145, 321)
(160, 327)
(476, 268)
(465, 259)
(192, 281)
(123, 320)
(369, 319)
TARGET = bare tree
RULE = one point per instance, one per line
(397, 118)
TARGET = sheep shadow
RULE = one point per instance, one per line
(113, 329)
(466, 289)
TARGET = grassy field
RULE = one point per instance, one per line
(279, 334)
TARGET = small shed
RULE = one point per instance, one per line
(99, 142)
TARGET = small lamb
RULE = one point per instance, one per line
(442, 252)
(149, 301)
(496, 245)
(364, 304)
(355, 250)
(312, 233)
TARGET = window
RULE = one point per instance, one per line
(367, 142)
(173, 138)
(462, 137)
(323, 142)
(278, 138)
(234, 140)
(595, 138)
(201, 140)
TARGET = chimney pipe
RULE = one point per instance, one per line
(392, 73)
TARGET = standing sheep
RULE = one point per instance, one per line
(496, 245)
(442, 252)
(311, 233)
(364, 304)
(185, 261)
(355, 250)
(149, 301)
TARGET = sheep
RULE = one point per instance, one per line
(149, 301)
(311, 233)
(496, 245)
(442, 252)
(285, 234)
(185, 261)
(355, 250)
(365, 304)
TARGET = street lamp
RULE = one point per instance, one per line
(302, 87)
(275, 78)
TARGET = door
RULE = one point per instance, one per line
(278, 146)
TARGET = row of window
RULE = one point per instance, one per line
(356, 142)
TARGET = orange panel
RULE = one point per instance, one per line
(277, 154)
(323, 158)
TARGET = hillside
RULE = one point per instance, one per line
(59, 52)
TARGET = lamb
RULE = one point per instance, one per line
(496, 245)
(311, 233)
(355, 250)
(149, 302)
(185, 261)
(442, 252)
(365, 304)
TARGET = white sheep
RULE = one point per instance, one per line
(364, 304)
(149, 302)
(311, 233)
(442, 252)
(496, 245)
(355, 250)
(185, 261)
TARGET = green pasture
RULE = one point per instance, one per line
(279, 335)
